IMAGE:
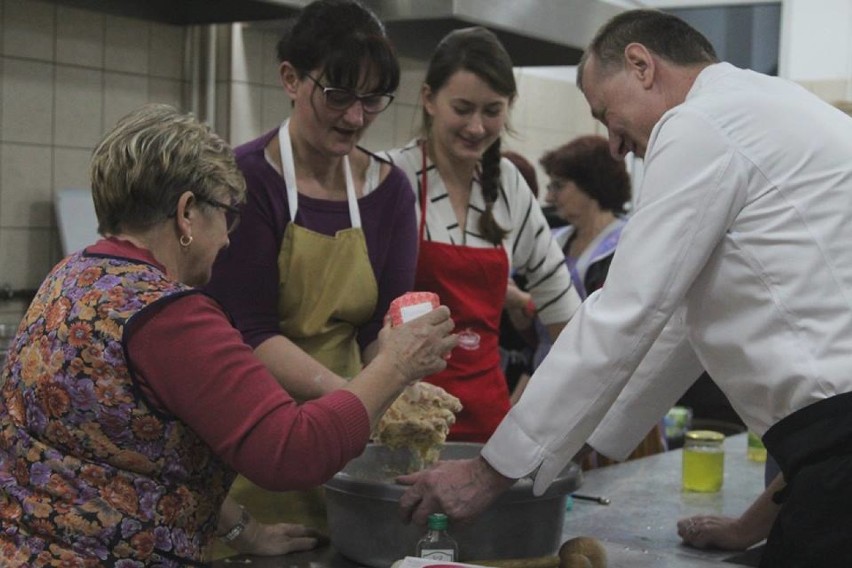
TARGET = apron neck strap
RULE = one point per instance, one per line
(424, 190)
(288, 170)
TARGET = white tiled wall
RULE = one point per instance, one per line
(257, 100)
(66, 75)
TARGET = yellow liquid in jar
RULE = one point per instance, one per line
(703, 469)
(756, 450)
(756, 454)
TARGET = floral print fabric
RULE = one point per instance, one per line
(90, 473)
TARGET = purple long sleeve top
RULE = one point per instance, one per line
(245, 275)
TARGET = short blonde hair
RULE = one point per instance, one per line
(151, 156)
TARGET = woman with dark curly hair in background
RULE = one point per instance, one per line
(590, 190)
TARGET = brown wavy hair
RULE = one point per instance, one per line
(587, 162)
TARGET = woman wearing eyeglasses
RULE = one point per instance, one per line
(328, 232)
(328, 236)
(478, 221)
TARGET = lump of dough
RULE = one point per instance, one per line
(419, 420)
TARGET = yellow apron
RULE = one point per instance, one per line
(327, 287)
(327, 290)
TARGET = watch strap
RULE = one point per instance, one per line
(238, 528)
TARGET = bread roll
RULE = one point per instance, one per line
(584, 547)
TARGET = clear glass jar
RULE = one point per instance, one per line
(703, 461)
(437, 544)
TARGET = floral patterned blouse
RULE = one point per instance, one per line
(91, 474)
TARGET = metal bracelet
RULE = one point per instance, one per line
(238, 528)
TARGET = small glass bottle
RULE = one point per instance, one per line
(703, 461)
(676, 422)
(437, 544)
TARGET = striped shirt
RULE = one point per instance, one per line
(529, 242)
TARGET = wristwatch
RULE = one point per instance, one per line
(238, 528)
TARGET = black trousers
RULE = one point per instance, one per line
(813, 446)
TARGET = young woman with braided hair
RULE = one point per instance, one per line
(477, 221)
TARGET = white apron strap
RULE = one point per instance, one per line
(288, 170)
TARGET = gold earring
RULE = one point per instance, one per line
(185, 240)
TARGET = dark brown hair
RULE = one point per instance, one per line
(339, 36)
(479, 51)
(587, 162)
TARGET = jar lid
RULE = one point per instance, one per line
(705, 435)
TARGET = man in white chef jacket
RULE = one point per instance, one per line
(737, 259)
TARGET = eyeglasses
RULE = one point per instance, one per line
(341, 99)
(230, 209)
(555, 186)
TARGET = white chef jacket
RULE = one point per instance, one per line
(737, 258)
(531, 249)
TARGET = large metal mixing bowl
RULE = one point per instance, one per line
(362, 502)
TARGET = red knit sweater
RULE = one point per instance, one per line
(191, 362)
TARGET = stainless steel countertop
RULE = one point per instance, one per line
(637, 528)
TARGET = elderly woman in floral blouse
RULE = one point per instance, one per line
(128, 400)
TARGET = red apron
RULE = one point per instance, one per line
(472, 283)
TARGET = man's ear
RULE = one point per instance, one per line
(640, 63)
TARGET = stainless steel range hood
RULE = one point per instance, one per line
(535, 32)
(188, 12)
